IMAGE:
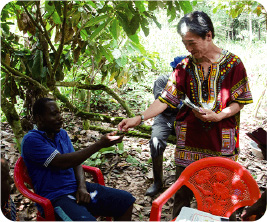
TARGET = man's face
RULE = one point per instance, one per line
(196, 45)
(51, 121)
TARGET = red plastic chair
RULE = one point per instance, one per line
(21, 178)
(220, 186)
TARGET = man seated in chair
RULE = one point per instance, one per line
(57, 174)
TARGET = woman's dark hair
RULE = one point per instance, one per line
(39, 106)
(197, 22)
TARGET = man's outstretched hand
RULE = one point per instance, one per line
(110, 139)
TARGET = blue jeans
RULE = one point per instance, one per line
(108, 202)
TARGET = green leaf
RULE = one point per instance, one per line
(140, 5)
(100, 29)
(50, 7)
(132, 160)
(134, 38)
(91, 3)
(186, 6)
(138, 47)
(120, 146)
(171, 11)
(98, 162)
(115, 29)
(134, 23)
(37, 66)
(111, 148)
(124, 21)
(44, 74)
(106, 53)
(96, 20)
(58, 7)
(215, 10)
(152, 5)
(122, 61)
(156, 21)
(94, 156)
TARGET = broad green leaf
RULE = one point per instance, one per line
(96, 20)
(100, 29)
(134, 23)
(44, 74)
(112, 148)
(124, 21)
(138, 47)
(115, 29)
(134, 38)
(122, 61)
(84, 34)
(156, 21)
(58, 7)
(91, 3)
(50, 8)
(131, 159)
(215, 10)
(37, 66)
(171, 11)
(140, 5)
(98, 162)
(120, 146)
(152, 5)
(106, 53)
(56, 18)
(186, 6)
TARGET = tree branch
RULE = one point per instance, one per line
(29, 79)
(99, 87)
(60, 48)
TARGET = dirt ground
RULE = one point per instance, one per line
(133, 176)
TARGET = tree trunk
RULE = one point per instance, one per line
(13, 120)
(86, 122)
(250, 28)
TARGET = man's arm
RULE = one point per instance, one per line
(153, 110)
(82, 195)
(70, 160)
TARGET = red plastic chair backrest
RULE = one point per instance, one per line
(220, 185)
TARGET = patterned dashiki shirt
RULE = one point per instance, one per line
(227, 83)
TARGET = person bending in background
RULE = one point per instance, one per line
(213, 79)
(162, 127)
(57, 174)
(7, 205)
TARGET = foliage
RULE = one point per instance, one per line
(84, 38)
(99, 157)
(236, 8)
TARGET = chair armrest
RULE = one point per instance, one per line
(157, 204)
(43, 202)
(96, 173)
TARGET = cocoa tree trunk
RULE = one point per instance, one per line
(13, 120)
